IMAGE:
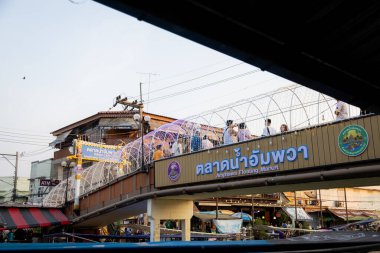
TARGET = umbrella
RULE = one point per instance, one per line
(244, 216)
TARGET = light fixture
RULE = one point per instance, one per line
(136, 117)
(146, 118)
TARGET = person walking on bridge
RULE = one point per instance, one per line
(268, 130)
(230, 133)
(341, 110)
(158, 154)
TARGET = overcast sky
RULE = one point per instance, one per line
(61, 61)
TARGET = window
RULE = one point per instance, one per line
(40, 191)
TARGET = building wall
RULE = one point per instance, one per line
(6, 189)
(109, 130)
(39, 170)
(358, 198)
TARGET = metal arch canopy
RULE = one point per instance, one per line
(329, 46)
(278, 107)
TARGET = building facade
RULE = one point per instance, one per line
(110, 128)
(7, 186)
(337, 205)
(39, 173)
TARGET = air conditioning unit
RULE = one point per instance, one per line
(313, 202)
(339, 204)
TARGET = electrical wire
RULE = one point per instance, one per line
(23, 134)
(201, 87)
(24, 154)
(190, 71)
(186, 81)
(21, 138)
(227, 95)
(20, 142)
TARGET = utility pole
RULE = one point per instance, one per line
(149, 75)
(295, 209)
(141, 127)
(320, 207)
(138, 118)
(15, 181)
(345, 203)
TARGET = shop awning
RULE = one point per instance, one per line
(354, 214)
(60, 138)
(212, 216)
(301, 214)
(14, 217)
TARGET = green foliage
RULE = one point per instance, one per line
(258, 233)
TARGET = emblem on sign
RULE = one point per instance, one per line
(174, 171)
(353, 140)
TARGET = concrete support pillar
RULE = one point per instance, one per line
(146, 218)
(154, 230)
(185, 226)
(169, 209)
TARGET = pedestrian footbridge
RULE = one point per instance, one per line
(325, 155)
(340, 154)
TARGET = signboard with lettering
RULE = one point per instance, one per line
(100, 153)
(301, 149)
(49, 182)
(85, 150)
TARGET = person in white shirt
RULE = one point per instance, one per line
(176, 148)
(243, 133)
(229, 133)
(206, 143)
(341, 110)
(268, 130)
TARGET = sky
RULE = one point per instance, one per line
(62, 61)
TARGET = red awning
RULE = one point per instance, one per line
(14, 217)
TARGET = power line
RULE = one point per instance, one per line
(35, 154)
(191, 71)
(202, 86)
(189, 80)
(229, 94)
(44, 136)
(35, 151)
(20, 142)
(23, 138)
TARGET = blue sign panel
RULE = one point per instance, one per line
(101, 153)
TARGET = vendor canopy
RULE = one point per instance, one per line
(354, 214)
(301, 214)
(13, 217)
